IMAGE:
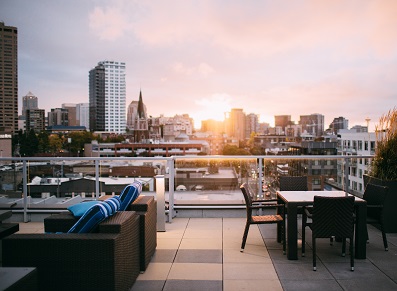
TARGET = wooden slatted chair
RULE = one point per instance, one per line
(251, 205)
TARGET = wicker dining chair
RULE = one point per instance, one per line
(331, 216)
(293, 183)
(375, 196)
(251, 204)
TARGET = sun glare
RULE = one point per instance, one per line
(213, 107)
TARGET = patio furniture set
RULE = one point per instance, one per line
(329, 214)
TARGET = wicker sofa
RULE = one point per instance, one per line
(146, 208)
(105, 260)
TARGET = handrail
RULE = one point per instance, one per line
(170, 164)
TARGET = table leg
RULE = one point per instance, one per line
(292, 231)
(361, 231)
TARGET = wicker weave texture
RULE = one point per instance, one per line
(293, 183)
(333, 216)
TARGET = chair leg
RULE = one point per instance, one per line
(284, 238)
(303, 239)
(343, 247)
(351, 253)
(247, 227)
(314, 253)
(384, 238)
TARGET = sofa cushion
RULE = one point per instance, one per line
(129, 194)
(79, 209)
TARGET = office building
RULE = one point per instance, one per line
(107, 97)
(312, 124)
(282, 120)
(338, 124)
(83, 114)
(29, 101)
(72, 116)
(235, 124)
(8, 78)
(251, 124)
(35, 119)
(58, 116)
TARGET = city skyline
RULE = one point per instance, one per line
(204, 58)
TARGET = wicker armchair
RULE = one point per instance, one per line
(106, 260)
(375, 196)
(261, 219)
(145, 207)
(331, 216)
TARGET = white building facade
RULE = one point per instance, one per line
(108, 97)
(353, 143)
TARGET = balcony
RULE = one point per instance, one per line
(200, 247)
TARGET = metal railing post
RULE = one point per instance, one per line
(160, 197)
(171, 187)
(347, 166)
(96, 179)
(25, 192)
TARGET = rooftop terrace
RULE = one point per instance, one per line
(204, 254)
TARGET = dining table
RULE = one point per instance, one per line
(295, 199)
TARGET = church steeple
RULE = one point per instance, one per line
(141, 111)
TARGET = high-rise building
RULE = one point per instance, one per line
(8, 78)
(29, 102)
(35, 119)
(312, 124)
(338, 124)
(107, 97)
(251, 124)
(58, 116)
(282, 120)
(83, 114)
(235, 124)
(72, 116)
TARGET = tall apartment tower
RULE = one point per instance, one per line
(8, 78)
(107, 97)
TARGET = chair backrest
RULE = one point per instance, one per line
(293, 183)
(333, 216)
(246, 194)
(375, 195)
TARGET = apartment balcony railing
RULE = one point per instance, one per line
(206, 182)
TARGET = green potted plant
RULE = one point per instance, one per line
(383, 169)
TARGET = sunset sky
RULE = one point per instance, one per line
(337, 58)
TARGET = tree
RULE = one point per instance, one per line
(232, 150)
(55, 142)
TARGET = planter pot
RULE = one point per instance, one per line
(389, 210)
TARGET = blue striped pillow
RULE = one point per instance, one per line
(95, 215)
(129, 194)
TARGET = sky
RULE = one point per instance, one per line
(205, 57)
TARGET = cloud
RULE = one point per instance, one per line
(202, 69)
(109, 23)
